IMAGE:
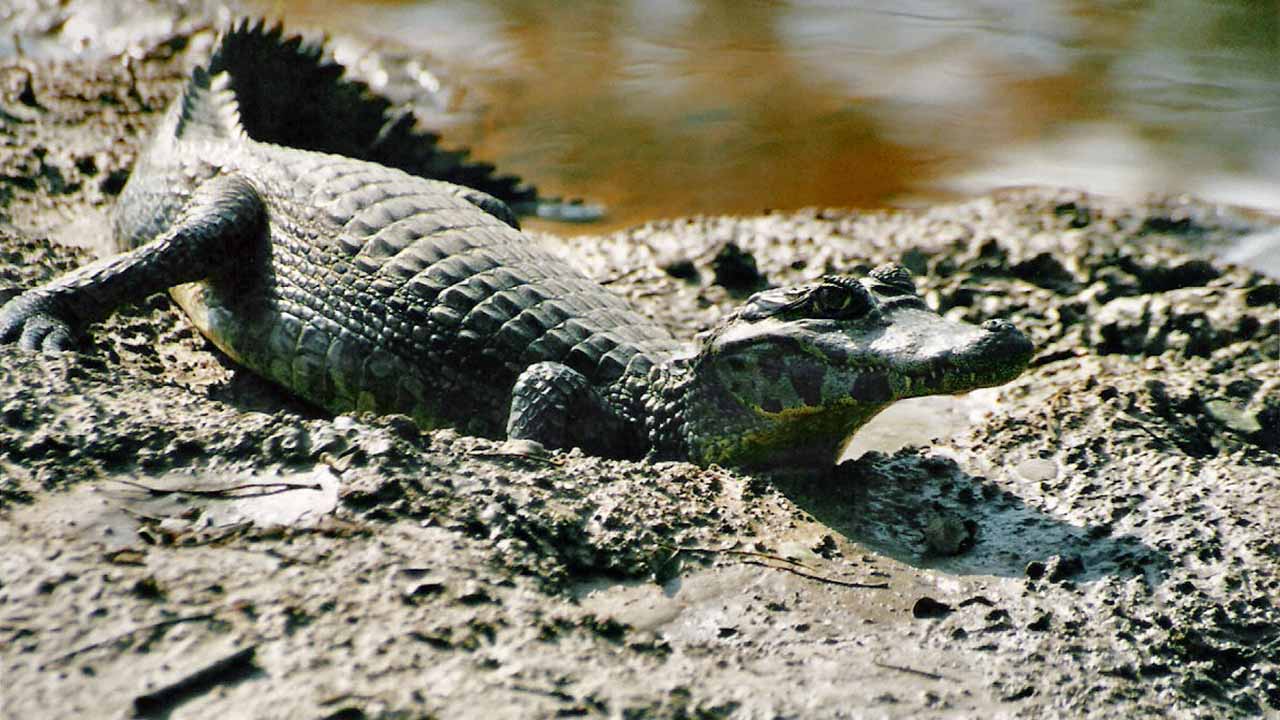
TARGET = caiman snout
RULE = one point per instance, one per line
(1006, 343)
(998, 354)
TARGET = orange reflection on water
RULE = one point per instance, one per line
(672, 107)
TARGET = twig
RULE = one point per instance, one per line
(677, 549)
(820, 578)
(116, 638)
(229, 669)
(221, 493)
(140, 515)
(910, 670)
(555, 694)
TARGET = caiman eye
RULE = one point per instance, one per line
(895, 276)
(839, 300)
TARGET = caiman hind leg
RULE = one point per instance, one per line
(223, 213)
(557, 406)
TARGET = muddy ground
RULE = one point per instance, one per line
(182, 540)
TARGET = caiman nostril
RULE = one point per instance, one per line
(997, 326)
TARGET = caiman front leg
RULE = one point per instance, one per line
(223, 213)
(557, 406)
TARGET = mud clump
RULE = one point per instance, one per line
(181, 538)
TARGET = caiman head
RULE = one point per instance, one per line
(788, 377)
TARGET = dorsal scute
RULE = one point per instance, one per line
(209, 107)
(289, 91)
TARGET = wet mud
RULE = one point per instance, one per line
(181, 539)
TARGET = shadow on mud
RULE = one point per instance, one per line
(227, 671)
(924, 510)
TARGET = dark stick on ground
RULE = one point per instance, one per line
(229, 669)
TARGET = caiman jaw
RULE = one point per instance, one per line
(776, 385)
(917, 352)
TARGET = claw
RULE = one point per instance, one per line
(30, 321)
(58, 339)
(10, 322)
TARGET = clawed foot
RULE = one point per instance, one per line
(32, 320)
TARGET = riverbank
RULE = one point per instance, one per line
(1115, 508)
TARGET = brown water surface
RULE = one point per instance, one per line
(671, 107)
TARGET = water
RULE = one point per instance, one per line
(671, 107)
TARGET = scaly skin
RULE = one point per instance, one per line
(787, 378)
(361, 287)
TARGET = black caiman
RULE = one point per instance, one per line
(299, 250)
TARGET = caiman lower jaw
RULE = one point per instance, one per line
(996, 357)
(801, 437)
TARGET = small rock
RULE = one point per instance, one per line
(915, 261)
(826, 547)
(683, 269)
(423, 591)
(1060, 568)
(1076, 216)
(127, 556)
(1037, 470)
(1121, 326)
(1021, 693)
(1265, 294)
(474, 594)
(946, 534)
(928, 608)
(148, 588)
(1232, 417)
(524, 447)
(736, 269)
(1047, 272)
(1191, 273)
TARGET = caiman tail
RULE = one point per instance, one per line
(290, 93)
